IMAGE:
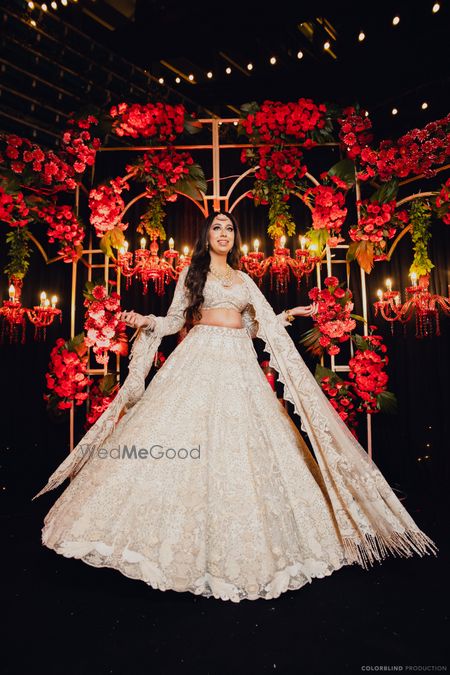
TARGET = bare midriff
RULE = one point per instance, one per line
(230, 318)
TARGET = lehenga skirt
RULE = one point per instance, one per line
(206, 485)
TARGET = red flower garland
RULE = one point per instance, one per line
(105, 332)
(367, 373)
(64, 227)
(355, 131)
(159, 120)
(443, 202)
(78, 142)
(333, 321)
(162, 170)
(378, 223)
(328, 208)
(67, 379)
(106, 206)
(13, 209)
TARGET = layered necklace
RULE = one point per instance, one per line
(226, 279)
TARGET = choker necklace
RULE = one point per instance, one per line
(225, 279)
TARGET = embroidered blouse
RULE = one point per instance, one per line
(216, 296)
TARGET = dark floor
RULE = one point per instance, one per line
(65, 617)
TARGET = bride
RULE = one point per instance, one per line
(201, 482)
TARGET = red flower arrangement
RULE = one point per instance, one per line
(34, 165)
(160, 120)
(162, 170)
(107, 205)
(355, 131)
(378, 223)
(279, 122)
(13, 209)
(101, 394)
(333, 321)
(417, 152)
(66, 228)
(78, 142)
(443, 202)
(339, 393)
(328, 210)
(67, 379)
(105, 332)
(367, 373)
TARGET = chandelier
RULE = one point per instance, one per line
(146, 265)
(280, 265)
(14, 315)
(419, 300)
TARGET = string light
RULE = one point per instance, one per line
(177, 80)
(249, 66)
(235, 123)
(190, 77)
(33, 23)
(273, 60)
(299, 55)
(31, 5)
(395, 20)
(327, 45)
(424, 105)
(54, 5)
(161, 80)
(209, 74)
(394, 111)
(228, 70)
(64, 2)
(436, 8)
(44, 7)
(361, 36)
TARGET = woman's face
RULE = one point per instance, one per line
(221, 235)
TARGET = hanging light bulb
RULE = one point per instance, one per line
(436, 8)
(394, 111)
(273, 60)
(395, 20)
(209, 74)
(300, 55)
(228, 70)
(249, 66)
(361, 36)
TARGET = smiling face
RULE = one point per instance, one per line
(221, 235)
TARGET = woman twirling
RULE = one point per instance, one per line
(202, 482)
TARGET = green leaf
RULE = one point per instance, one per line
(107, 383)
(105, 245)
(360, 342)
(191, 125)
(345, 169)
(357, 317)
(386, 193)
(250, 108)
(351, 251)
(387, 403)
(193, 183)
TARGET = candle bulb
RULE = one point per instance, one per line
(186, 250)
(125, 245)
(46, 302)
(12, 293)
(256, 245)
(313, 247)
(380, 294)
(282, 241)
(413, 276)
(245, 249)
(171, 243)
(143, 242)
(43, 298)
(122, 250)
(302, 242)
(389, 285)
(54, 301)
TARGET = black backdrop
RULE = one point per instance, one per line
(32, 445)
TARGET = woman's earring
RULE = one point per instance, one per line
(207, 245)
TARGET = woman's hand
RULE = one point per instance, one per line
(306, 310)
(136, 320)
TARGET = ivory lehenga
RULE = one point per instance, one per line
(226, 500)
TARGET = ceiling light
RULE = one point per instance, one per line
(31, 5)
(54, 5)
(394, 111)
(436, 7)
(361, 36)
(228, 70)
(299, 55)
(177, 80)
(161, 80)
(395, 20)
(191, 77)
(327, 45)
(33, 23)
(249, 66)
(209, 74)
(44, 7)
(64, 2)
(273, 60)
(424, 105)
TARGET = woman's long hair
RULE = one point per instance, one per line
(200, 261)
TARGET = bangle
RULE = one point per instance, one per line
(289, 317)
